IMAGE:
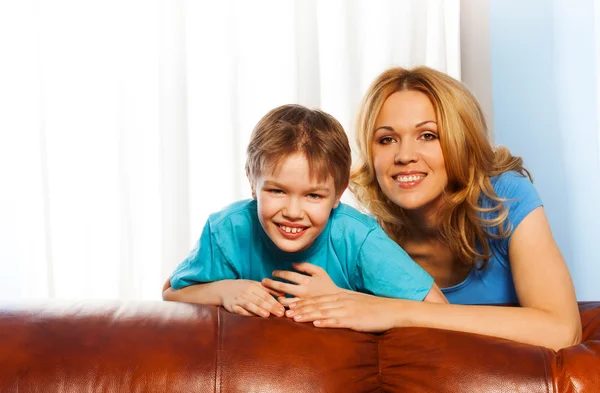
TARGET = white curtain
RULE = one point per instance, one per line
(123, 124)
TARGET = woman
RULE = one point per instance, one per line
(467, 213)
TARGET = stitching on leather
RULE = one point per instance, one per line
(379, 374)
(218, 363)
(548, 372)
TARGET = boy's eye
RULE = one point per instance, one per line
(314, 196)
(386, 140)
(275, 191)
(428, 136)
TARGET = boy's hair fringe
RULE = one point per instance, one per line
(291, 129)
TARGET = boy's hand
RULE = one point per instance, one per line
(246, 297)
(317, 283)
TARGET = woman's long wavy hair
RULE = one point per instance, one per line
(469, 158)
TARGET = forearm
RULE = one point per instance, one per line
(208, 293)
(526, 325)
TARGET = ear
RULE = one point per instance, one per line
(252, 186)
(339, 196)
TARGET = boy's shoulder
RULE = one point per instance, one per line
(349, 217)
(237, 211)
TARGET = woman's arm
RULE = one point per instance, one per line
(548, 315)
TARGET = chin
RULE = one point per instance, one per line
(410, 204)
(291, 249)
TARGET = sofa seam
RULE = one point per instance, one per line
(550, 383)
(218, 364)
(379, 374)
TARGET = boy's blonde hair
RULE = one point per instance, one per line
(469, 158)
(291, 129)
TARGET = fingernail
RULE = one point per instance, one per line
(280, 313)
(298, 318)
(265, 314)
(293, 305)
(290, 313)
(317, 323)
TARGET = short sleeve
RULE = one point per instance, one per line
(521, 194)
(385, 269)
(521, 199)
(205, 263)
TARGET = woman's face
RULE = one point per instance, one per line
(407, 154)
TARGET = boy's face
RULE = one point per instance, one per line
(293, 209)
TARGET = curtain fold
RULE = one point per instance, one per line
(124, 123)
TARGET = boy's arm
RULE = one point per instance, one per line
(244, 297)
(207, 293)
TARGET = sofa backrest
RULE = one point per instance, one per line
(174, 347)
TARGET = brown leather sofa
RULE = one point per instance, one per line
(173, 347)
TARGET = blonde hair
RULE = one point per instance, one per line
(469, 158)
(290, 129)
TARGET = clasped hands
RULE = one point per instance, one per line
(264, 298)
(316, 299)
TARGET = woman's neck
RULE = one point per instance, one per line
(424, 222)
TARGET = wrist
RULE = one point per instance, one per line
(220, 290)
(402, 312)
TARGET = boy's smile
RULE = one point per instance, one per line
(293, 207)
(291, 231)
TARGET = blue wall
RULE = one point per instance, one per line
(544, 92)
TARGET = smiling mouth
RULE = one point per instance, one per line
(292, 230)
(409, 181)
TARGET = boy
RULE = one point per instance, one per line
(298, 165)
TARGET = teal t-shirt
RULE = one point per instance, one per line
(494, 283)
(353, 249)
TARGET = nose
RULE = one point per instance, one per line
(293, 209)
(406, 153)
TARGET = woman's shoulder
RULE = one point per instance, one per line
(512, 184)
(518, 194)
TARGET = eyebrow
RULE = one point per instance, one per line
(319, 187)
(389, 128)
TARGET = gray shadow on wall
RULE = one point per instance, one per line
(525, 102)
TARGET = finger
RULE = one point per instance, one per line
(264, 300)
(317, 300)
(240, 311)
(253, 308)
(292, 289)
(308, 268)
(294, 277)
(286, 301)
(333, 323)
(321, 314)
(272, 291)
(313, 309)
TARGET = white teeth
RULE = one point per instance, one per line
(291, 230)
(408, 179)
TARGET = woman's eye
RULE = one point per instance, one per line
(428, 137)
(386, 140)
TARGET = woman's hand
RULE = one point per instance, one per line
(304, 286)
(352, 310)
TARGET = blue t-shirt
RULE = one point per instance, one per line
(494, 284)
(353, 249)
